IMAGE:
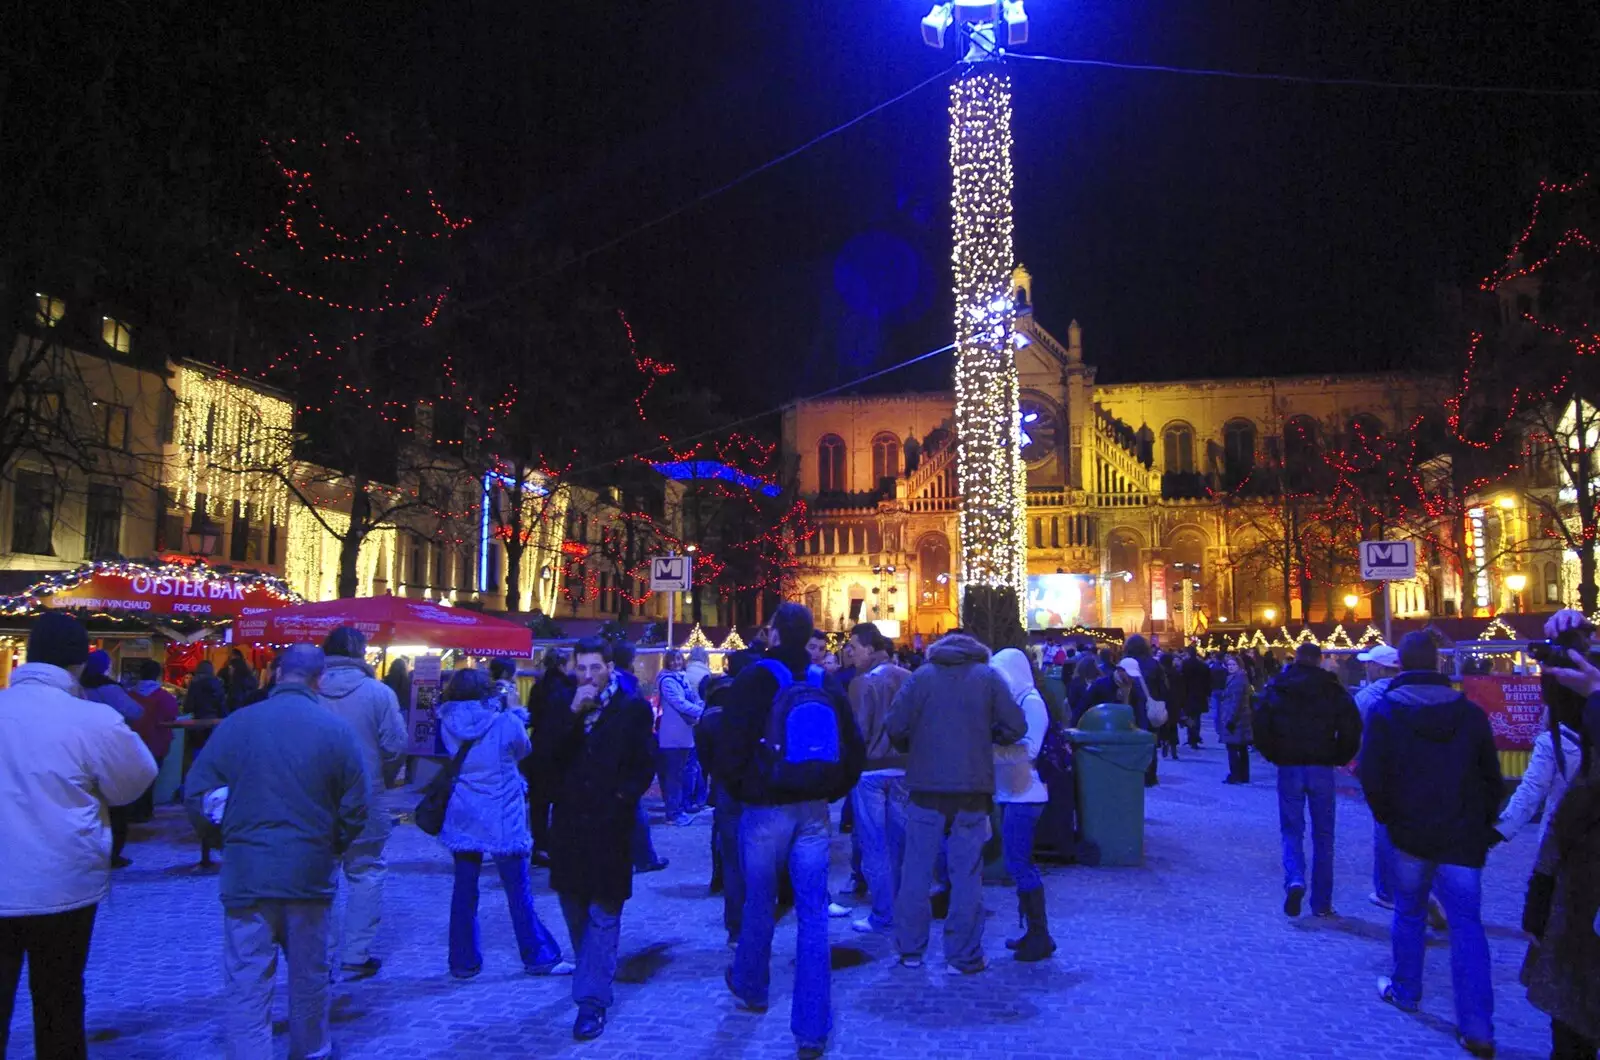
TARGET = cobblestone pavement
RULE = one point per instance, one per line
(1189, 956)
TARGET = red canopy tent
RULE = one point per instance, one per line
(388, 621)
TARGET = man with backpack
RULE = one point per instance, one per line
(791, 749)
(946, 718)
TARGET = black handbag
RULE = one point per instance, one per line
(1536, 904)
(429, 813)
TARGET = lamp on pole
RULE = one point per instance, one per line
(1350, 602)
(1516, 583)
(202, 536)
(989, 467)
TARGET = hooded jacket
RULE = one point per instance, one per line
(370, 708)
(63, 760)
(1016, 779)
(948, 716)
(1430, 771)
(488, 810)
(680, 710)
(1306, 718)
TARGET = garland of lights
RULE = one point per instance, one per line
(31, 599)
(990, 471)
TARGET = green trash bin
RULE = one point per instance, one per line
(1110, 757)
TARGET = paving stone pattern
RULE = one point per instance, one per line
(1189, 956)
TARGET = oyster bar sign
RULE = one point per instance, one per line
(156, 594)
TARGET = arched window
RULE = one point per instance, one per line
(1177, 448)
(885, 458)
(933, 571)
(1300, 447)
(1186, 557)
(1238, 449)
(830, 464)
(1365, 430)
(1122, 559)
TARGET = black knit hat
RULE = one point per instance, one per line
(59, 640)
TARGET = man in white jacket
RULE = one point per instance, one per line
(372, 710)
(64, 761)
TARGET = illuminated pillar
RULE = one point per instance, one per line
(989, 463)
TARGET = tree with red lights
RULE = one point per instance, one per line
(352, 274)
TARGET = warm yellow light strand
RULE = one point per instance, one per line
(988, 420)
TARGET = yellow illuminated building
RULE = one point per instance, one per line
(1150, 506)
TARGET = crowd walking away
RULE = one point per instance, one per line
(945, 765)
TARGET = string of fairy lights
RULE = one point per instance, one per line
(989, 464)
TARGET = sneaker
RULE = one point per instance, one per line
(654, 866)
(1380, 901)
(982, 966)
(1292, 900)
(808, 1052)
(120, 862)
(470, 973)
(911, 962)
(865, 926)
(1475, 1047)
(1387, 994)
(364, 970)
(739, 999)
(558, 968)
(590, 1024)
(1325, 914)
(835, 909)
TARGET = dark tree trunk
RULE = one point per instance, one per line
(350, 543)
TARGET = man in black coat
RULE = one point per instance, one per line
(555, 686)
(597, 751)
(1307, 725)
(1196, 692)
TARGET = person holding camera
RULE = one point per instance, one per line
(1562, 911)
(1432, 778)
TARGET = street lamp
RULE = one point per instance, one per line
(1350, 602)
(989, 468)
(1516, 583)
(202, 536)
(1270, 614)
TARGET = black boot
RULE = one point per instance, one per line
(1037, 944)
(1022, 922)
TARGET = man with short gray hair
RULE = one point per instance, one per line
(293, 795)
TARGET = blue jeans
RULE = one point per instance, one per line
(1298, 785)
(595, 928)
(644, 851)
(1017, 822)
(1460, 891)
(725, 829)
(670, 763)
(1382, 863)
(768, 835)
(537, 946)
(696, 783)
(880, 826)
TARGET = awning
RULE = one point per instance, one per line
(388, 621)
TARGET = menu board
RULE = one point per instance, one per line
(424, 709)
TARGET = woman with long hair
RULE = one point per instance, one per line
(1233, 720)
(488, 816)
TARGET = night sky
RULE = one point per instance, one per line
(1193, 226)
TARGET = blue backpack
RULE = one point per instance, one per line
(802, 753)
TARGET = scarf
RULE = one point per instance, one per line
(605, 698)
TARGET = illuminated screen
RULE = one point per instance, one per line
(1057, 601)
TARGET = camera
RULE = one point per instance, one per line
(1552, 654)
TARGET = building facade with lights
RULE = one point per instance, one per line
(1150, 506)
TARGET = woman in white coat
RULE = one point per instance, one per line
(1022, 797)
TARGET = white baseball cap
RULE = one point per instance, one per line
(1381, 655)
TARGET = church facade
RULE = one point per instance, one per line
(1150, 506)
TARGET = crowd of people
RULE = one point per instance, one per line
(960, 762)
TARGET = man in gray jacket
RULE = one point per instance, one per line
(371, 709)
(293, 795)
(947, 717)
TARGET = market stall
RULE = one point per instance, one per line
(395, 625)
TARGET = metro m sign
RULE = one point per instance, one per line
(1388, 560)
